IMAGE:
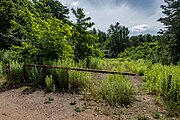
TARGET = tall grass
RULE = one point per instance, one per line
(158, 82)
(49, 83)
(16, 72)
(115, 90)
(1, 71)
(2, 76)
(35, 76)
(79, 81)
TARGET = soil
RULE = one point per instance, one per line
(26, 103)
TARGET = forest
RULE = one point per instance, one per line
(41, 32)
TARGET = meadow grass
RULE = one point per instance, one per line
(156, 78)
(165, 81)
(114, 89)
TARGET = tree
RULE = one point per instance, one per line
(82, 22)
(118, 38)
(53, 7)
(41, 39)
(13, 10)
(102, 36)
(8, 10)
(84, 41)
(172, 23)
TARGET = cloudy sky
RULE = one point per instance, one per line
(140, 16)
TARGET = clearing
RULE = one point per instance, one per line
(26, 103)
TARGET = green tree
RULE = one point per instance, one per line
(8, 10)
(84, 40)
(42, 39)
(82, 22)
(172, 23)
(118, 38)
(13, 10)
(53, 7)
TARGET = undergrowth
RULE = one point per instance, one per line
(160, 80)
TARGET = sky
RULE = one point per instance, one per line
(140, 16)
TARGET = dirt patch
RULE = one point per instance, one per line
(26, 103)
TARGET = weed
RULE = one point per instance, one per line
(156, 115)
(16, 73)
(49, 100)
(49, 83)
(77, 109)
(142, 117)
(115, 90)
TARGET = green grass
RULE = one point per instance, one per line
(2, 77)
(158, 82)
(16, 72)
(115, 90)
(49, 83)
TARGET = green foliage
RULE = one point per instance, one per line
(35, 76)
(172, 22)
(49, 83)
(82, 21)
(16, 73)
(79, 81)
(58, 10)
(45, 40)
(1, 71)
(60, 78)
(8, 11)
(158, 82)
(84, 41)
(118, 38)
(115, 89)
(40, 30)
(148, 51)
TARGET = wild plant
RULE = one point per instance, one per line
(35, 76)
(165, 81)
(116, 90)
(49, 83)
(1, 72)
(79, 81)
(16, 72)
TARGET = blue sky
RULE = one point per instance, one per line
(140, 16)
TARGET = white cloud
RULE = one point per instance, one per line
(75, 4)
(106, 12)
(64, 3)
(140, 28)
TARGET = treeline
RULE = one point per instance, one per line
(41, 30)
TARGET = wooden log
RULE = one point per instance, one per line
(86, 70)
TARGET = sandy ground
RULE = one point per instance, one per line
(25, 103)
